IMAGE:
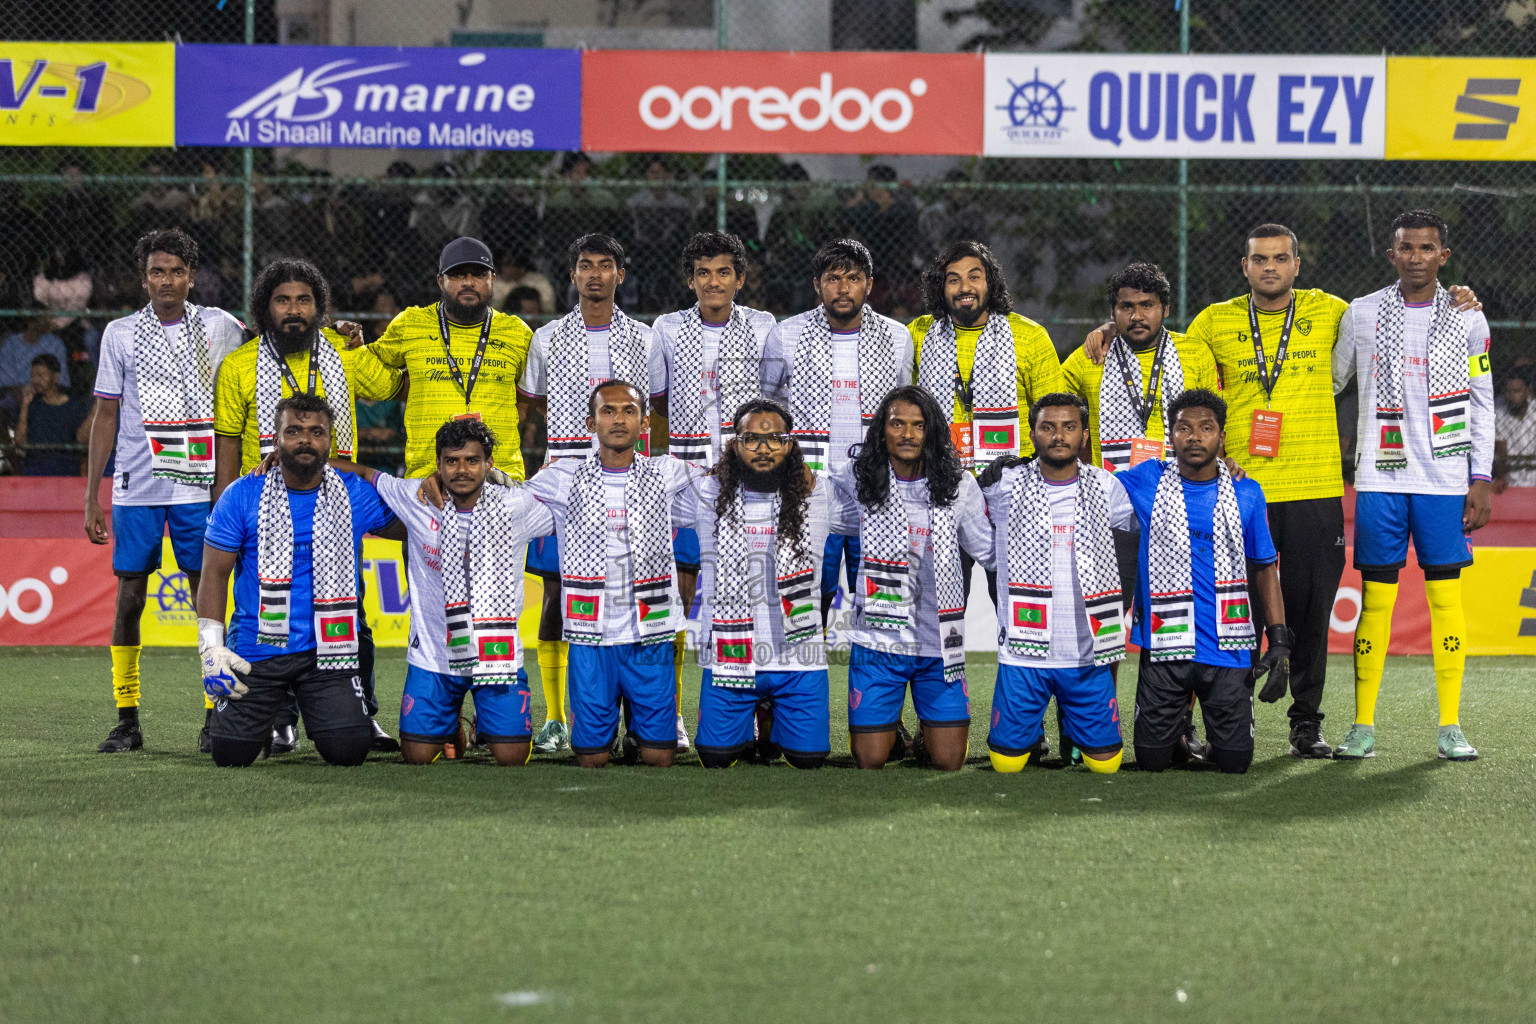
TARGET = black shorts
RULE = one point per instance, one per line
(1162, 697)
(330, 701)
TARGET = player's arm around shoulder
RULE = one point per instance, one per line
(1346, 347)
(551, 486)
(1122, 515)
(773, 371)
(367, 374)
(1197, 361)
(389, 348)
(918, 331)
(974, 528)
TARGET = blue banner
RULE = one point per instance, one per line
(376, 97)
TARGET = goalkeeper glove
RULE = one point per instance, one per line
(996, 468)
(220, 664)
(1276, 662)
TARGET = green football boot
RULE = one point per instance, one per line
(1454, 746)
(1359, 743)
(553, 737)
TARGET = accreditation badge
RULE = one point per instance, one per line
(1144, 448)
(1264, 433)
(963, 437)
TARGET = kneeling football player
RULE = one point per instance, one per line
(292, 537)
(466, 577)
(1059, 607)
(913, 507)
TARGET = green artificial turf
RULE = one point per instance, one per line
(154, 887)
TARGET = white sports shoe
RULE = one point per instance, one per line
(682, 734)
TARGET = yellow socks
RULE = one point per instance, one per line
(1448, 627)
(552, 655)
(1371, 638)
(1008, 765)
(125, 676)
(562, 654)
(679, 645)
(1106, 767)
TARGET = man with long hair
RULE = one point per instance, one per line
(914, 508)
(154, 408)
(831, 368)
(592, 343)
(711, 353)
(762, 517)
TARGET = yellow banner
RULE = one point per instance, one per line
(1500, 589)
(1460, 108)
(170, 620)
(87, 94)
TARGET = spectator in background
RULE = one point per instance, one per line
(1514, 431)
(49, 416)
(19, 350)
(660, 227)
(386, 306)
(885, 220)
(515, 270)
(522, 302)
(161, 204)
(381, 425)
(78, 212)
(577, 205)
(63, 283)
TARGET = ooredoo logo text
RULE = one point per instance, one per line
(848, 109)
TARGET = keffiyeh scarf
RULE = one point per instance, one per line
(1450, 391)
(584, 568)
(1120, 422)
(1171, 625)
(176, 397)
(483, 588)
(737, 579)
(810, 395)
(334, 575)
(736, 381)
(1031, 578)
(570, 365)
(994, 389)
(885, 597)
(338, 394)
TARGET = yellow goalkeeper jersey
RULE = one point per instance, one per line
(1308, 464)
(234, 401)
(1039, 369)
(413, 341)
(1084, 379)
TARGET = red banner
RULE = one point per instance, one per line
(744, 102)
(56, 592)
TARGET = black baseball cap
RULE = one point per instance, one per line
(465, 250)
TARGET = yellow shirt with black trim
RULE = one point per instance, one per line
(1309, 464)
(1084, 380)
(1039, 369)
(234, 401)
(413, 342)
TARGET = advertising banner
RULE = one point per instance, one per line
(378, 97)
(1458, 108)
(1173, 105)
(744, 102)
(87, 94)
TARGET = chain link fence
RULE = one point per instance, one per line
(68, 218)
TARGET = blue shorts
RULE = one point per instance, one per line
(429, 709)
(832, 556)
(137, 531)
(1384, 521)
(544, 556)
(1085, 695)
(685, 547)
(802, 719)
(641, 674)
(877, 685)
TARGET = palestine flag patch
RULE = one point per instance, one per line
(651, 613)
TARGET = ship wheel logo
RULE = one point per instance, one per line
(1035, 104)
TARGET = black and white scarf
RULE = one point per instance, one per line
(1120, 424)
(884, 598)
(483, 588)
(338, 394)
(1172, 625)
(810, 393)
(1450, 391)
(176, 397)
(570, 369)
(334, 569)
(995, 428)
(738, 577)
(736, 381)
(584, 552)
(1030, 568)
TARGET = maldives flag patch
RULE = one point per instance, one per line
(498, 647)
(997, 437)
(582, 609)
(733, 652)
(1029, 614)
(1391, 436)
(337, 629)
(200, 448)
(1234, 609)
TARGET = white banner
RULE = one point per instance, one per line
(1172, 105)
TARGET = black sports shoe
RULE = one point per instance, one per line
(1307, 741)
(383, 742)
(1190, 749)
(125, 735)
(629, 749)
(204, 737)
(285, 740)
(902, 745)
